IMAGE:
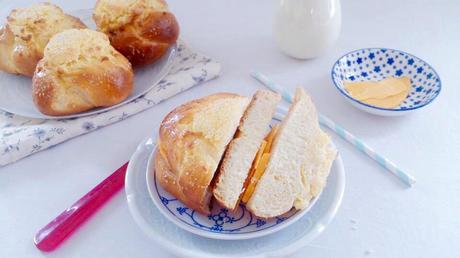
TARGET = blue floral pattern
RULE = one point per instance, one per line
(221, 220)
(378, 63)
(21, 136)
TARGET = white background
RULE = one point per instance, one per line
(391, 221)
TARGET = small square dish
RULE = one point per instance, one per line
(376, 64)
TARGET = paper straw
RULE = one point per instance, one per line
(342, 132)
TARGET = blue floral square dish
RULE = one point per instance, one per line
(379, 63)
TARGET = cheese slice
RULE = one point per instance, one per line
(257, 175)
(259, 165)
(378, 89)
(389, 102)
(255, 163)
(387, 93)
(270, 138)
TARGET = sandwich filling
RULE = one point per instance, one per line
(239, 156)
(259, 165)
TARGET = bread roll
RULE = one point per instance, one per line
(192, 140)
(300, 161)
(80, 70)
(242, 150)
(27, 31)
(142, 30)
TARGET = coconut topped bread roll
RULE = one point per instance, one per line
(80, 70)
(142, 30)
(27, 31)
(193, 138)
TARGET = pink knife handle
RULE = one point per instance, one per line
(49, 237)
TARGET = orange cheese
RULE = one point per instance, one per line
(259, 165)
(255, 163)
(270, 138)
(257, 174)
(259, 154)
(387, 93)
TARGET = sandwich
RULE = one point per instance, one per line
(300, 159)
(222, 147)
(241, 152)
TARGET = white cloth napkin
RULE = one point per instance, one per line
(21, 136)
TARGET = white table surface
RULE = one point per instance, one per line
(390, 220)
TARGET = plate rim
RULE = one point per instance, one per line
(177, 250)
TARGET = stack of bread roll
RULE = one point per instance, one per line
(76, 69)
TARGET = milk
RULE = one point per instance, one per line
(307, 28)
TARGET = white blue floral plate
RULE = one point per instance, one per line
(380, 63)
(221, 223)
(168, 234)
(16, 91)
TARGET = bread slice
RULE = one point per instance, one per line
(299, 164)
(193, 138)
(242, 150)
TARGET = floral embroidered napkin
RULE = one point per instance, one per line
(21, 136)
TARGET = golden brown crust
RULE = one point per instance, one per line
(80, 71)
(26, 33)
(192, 140)
(142, 30)
(43, 91)
(167, 179)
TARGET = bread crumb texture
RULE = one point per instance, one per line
(113, 14)
(77, 49)
(35, 25)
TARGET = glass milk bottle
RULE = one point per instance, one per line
(307, 28)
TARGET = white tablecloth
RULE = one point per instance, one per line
(378, 217)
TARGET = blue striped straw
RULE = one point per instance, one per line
(342, 132)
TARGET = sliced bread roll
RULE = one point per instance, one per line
(299, 164)
(193, 138)
(242, 150)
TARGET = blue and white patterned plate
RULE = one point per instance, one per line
(221, 223)
(380, 63)
(183, 243)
